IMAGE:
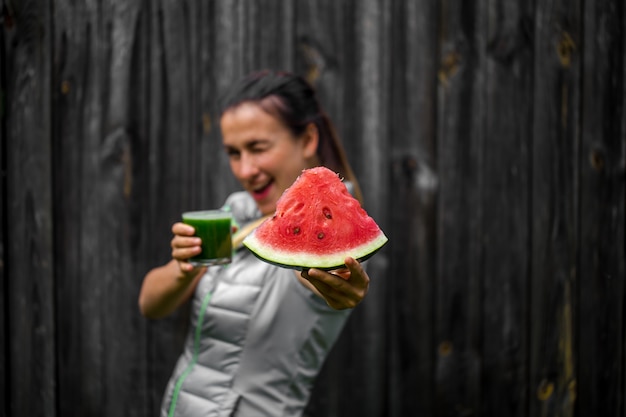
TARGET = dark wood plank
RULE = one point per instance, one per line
(506, 202)
(267, 34)
(148, 239)
(460, 167)
(175, 166)
(6, 35)
(555, 152)
(77, 101)
(226, 67)
(29, 285)
(321, 57)
(368, 146)
(410, 315)
(341, 48)
(94, 147)
(601, 260)
(121, 322)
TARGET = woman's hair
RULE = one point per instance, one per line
(294, 101)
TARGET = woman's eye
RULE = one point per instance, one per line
(259, 147)
(232, 153)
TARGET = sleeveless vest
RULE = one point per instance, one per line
(256, 341)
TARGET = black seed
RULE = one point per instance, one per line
(327, 213)
(296, 230)
(320, 235)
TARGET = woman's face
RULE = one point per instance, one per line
(264, 155)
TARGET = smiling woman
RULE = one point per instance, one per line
(294, 106)
(264, 156)
(259, 333)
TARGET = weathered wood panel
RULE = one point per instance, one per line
(601, 257)
(321, 56)
(410, 309)
(368, 147)
(489, 138)
(96, 292)
(505, 206)
(340, 49)
(29, 280)
(461, 158)
(555, 154)
(4, 316)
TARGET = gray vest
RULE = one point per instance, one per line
(256, 341)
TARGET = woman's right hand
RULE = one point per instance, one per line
(166, 287)
(184, 246)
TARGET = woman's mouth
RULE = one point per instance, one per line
(262, 192)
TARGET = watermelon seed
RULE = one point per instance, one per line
(296, 230)
(320, 235)
(327, 213)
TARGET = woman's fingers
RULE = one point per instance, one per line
(184, 244)
(333, 298)
(185, 266)
(183, 229)
(343, 288)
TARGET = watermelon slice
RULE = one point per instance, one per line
(317, 224)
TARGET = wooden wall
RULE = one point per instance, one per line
(490, 140)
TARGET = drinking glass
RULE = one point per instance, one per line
(213, 227)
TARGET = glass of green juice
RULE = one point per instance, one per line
(214, 228)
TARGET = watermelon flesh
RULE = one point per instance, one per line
(317, 224)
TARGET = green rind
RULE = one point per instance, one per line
(303, 268)
(300, 261)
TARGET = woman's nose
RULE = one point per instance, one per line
(248, 168)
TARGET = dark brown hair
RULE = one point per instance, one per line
(294, 101)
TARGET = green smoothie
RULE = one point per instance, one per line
(214, 228)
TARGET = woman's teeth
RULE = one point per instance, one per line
(262, 191)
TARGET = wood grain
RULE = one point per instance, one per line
(489, 139)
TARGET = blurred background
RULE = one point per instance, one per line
(490, 141)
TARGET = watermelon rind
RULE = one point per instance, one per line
(303, 260)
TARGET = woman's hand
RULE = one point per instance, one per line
(342, 288)
(166, 287)
(184, 246)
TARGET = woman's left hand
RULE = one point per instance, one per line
(342, 288)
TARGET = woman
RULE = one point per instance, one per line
(258, 334)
